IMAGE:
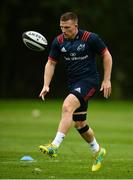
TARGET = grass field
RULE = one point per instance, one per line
(22, 130)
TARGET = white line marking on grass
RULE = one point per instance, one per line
(56, 161)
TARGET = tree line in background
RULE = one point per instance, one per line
(21, 70)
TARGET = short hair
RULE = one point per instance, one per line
(69, 16)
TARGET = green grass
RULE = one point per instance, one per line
(21, 133)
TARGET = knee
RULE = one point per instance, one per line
(66, 108)
(79, 124)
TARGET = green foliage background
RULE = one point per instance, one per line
(21, 70)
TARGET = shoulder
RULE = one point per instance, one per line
(95, 39)
(93, 36)
(87, 35)
(84, 35)
(60, 38)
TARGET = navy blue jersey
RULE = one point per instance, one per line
(79, 54)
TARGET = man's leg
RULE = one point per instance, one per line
(88, 135)
(71, 103)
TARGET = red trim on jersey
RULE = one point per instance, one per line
(60, 38)
(90, 94)
(52, 59)
(103, 51)
(85, 36)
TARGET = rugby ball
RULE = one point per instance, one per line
(34, 40)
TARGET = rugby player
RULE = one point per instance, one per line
(79, 49)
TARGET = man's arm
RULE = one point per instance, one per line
(48, 74)
(106, 83)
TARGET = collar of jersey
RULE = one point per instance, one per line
(76, 37)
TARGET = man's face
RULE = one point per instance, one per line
(69, 28)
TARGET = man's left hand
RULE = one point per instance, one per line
(106, 88)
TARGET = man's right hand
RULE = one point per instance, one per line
(44, 91)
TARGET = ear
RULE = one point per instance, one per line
(76, 24)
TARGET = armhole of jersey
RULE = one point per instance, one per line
(52, 59)
(60, 39)
(85, 36)
(103, 51)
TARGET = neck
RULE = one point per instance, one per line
(74, 35)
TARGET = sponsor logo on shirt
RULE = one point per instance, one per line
(63, 50)
(73, 58)
(72, 54)
(81, 47)
(78, 89)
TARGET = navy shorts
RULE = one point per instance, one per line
(84, 90)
